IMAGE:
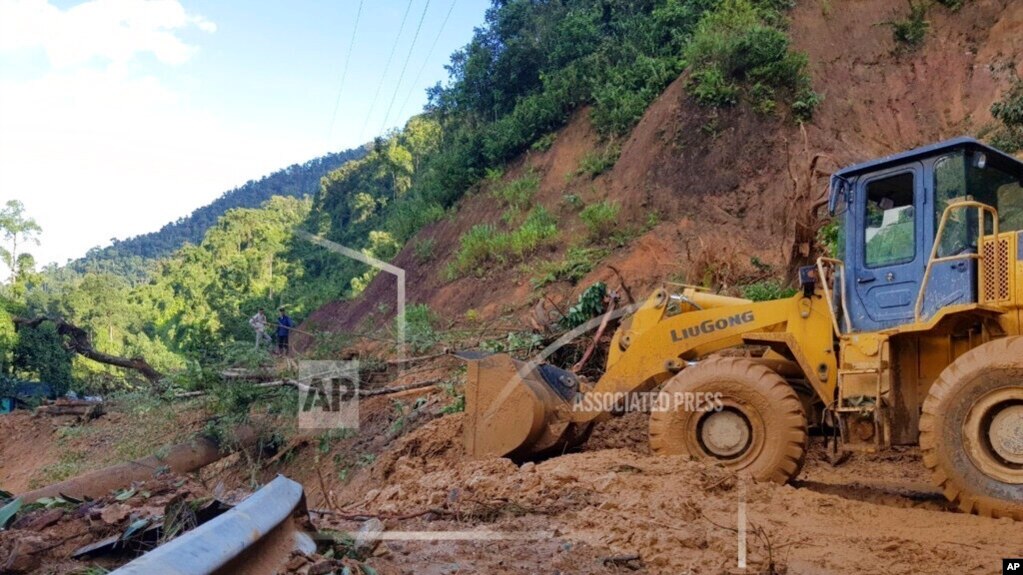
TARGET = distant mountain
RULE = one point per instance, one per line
(129, 257)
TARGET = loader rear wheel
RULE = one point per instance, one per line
(758, 428)
(971, 430)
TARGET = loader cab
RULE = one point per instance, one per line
(890, 210)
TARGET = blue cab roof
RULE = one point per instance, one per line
(928, 151)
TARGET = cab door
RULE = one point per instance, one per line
(888, 248)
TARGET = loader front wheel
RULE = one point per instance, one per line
(735, 412)
(971, 430)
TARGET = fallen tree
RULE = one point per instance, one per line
(79, 341)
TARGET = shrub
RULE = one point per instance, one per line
(952, 4)
(589, 305)
(420, 334)
(766, 290)
(710, 88)
(1010, 108)
(600, 218)
(741, 44)
(805, 103)
(911, 31)
(597, 162)
(424, 249)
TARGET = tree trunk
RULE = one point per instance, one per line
(77, 340)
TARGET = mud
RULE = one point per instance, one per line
(873, 514)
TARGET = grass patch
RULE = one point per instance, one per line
(484, 244)
(519, 193)
(576, 264)
(600, 219)
(597, 162)
(544, 143)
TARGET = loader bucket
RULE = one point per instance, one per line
(515, 411)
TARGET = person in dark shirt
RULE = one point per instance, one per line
(284, 326)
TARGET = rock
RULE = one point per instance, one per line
(324, 566)
(114, 514)
(368, 537)
(528, 467)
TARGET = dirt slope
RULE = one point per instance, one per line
(731, 185)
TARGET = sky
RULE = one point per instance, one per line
(118, 116)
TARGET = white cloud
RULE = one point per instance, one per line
(110, 30)
(95, 144)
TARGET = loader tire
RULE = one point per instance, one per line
(971, 430)
(759, 429)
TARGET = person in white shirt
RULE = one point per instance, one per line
(258, 323)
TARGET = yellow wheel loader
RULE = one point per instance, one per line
(911, 336)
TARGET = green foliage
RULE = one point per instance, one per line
(125, 257)
(523, 343)
(17, 229)
(952, 4)
(457, 404)
(420, 331)
(740, 47)
(710, 88)
(1009, 111)
(597, 162)
(424, 250)
(544, 143)
(909, 33)
(484, 243)
(577, 263)
(519, 193)
(766, 290)
(830, 237)
(589, 306)
(600, 219)
(40, 354)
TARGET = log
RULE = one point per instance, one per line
(90, 411)
(181, 458)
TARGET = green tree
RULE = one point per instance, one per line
(17, 229)
(40, 354)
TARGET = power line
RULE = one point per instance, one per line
(404, 66)
(387, 66)
(429, 53)
(344, 73)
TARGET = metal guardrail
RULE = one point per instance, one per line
(215, 544)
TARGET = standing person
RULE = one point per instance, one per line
(258, 323)
(284, 326)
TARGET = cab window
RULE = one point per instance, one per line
(999, 189)
(890, 229)
(959, 177)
